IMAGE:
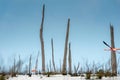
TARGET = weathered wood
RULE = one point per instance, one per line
(113, 53)
(65, 49)
(70, 60)
(42, 41)
(53, 62)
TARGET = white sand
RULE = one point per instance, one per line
(57, 77)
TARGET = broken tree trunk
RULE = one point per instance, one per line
(113, 54)
(42, 41)
(65, 49)
(69, 60)
(53, 62)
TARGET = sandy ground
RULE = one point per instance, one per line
(58, 77)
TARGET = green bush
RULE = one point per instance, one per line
(2, 77)
(107, 74)
(13, 74)
(74, 74)
(100, 74)
(88, 75)
(49, 73)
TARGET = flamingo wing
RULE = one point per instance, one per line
(106, 44)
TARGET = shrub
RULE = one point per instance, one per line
(49, 73)
(113, 74)
(88, 75)
(13, 74)
(2, 77)
(29, 74)
(64, 73)
(107, 74)
(100, 74)
(74, 74)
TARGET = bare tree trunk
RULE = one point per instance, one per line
(76, 68)
(42, 41)
(36, 65)
(60, 66)
(69, 60)
(30, 66)
(113, 53)
(20, 63)
(50, 66)
(14, 68)
(13, 74)
(26, 69)
(65, 49)
(53, 55)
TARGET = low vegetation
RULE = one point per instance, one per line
(2, 77)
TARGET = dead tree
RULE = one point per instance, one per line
(65, 49)
(50, 66)
(19, 65)
(69, 60)
(26, 69)
(36, 65)
(76, 68)
(113, 53)
(30, 66)
(42, 41)
(13, 74)
(53, 62)
(60, 66)
(14, 67)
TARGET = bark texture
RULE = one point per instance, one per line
(42, 41)
(65, 49)
(113, 53)
(70, 60)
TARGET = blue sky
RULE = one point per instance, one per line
(89, 25)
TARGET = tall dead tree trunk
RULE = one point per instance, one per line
(42, 41)
(50, 66)
(30, 66)
(53, 62)
(60, 66)
(65, 49)
(14, 69)
(113, 53)
(26, 69)
(19, 65)
(70, 60)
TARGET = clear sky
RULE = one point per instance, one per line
(89, 25)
